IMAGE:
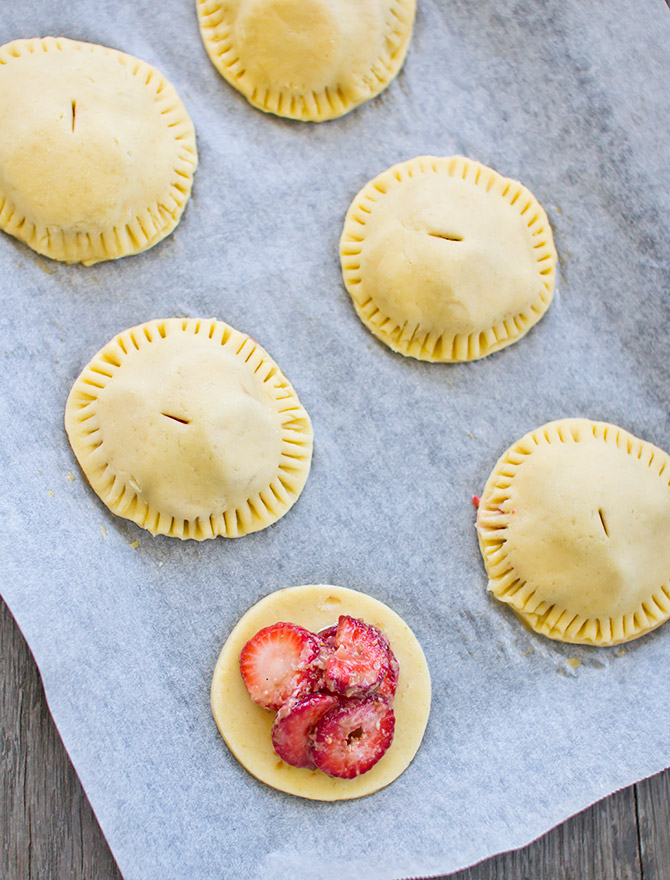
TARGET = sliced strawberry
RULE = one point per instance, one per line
(281, 661)
(294, 726)
(360, 660)
(351, 738)
(389, 685)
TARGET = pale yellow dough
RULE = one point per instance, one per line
(246, 726)
(188, 428)
(307, 59)
(574, 528)
(97, 152)
(445, 260)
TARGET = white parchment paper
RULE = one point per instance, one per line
(572, 99)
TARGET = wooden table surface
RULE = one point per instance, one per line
(48, 830)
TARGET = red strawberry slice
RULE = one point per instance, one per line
(294, 726)
(389, 685)
(360, 659)
(281, 661)
(351, 738)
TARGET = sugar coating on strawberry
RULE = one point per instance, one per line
(294, 725)
(389, 684)
(328, 635)
(359, 660)
(350, 739)
(281, 661)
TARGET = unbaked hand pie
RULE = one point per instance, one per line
(574, 528)
(188, 428)
(350, 683)
(307, 59)
(445, 260)
(97, 152)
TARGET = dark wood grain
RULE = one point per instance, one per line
(653, 803)
(599, 844)
(48, 830)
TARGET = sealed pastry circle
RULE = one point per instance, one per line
(97, 152)
(445, 260)
(188, 428)
(307, 59)
(574, 528)
(246, 726)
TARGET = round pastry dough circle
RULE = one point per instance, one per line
(307, 59)
(446, 260)
(574, 528)
(188, 428)
(246, 727)
(97, 152)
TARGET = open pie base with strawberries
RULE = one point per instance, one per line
(247, 727)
